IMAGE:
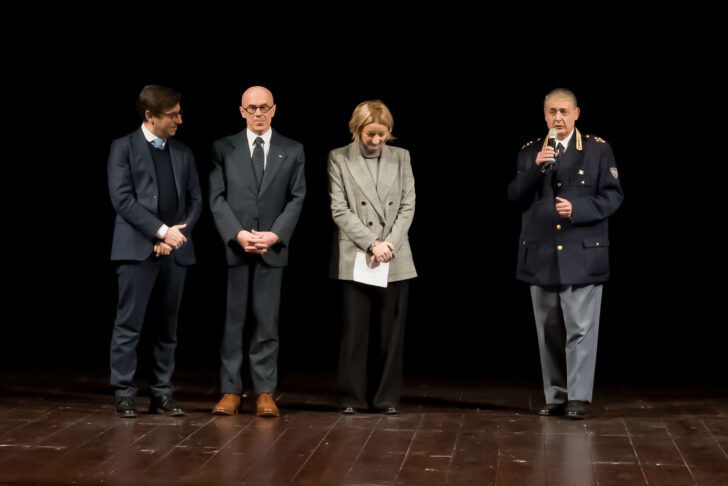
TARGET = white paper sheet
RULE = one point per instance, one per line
(371, 276)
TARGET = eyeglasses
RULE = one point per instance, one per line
(173, 115)
(252, 108)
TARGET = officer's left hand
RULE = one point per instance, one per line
(563, 207)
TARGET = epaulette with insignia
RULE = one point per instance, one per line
(597, 139)
(530, 143)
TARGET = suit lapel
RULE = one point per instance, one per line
(241, 158)
(276, 157)
(574, 153)
(141, 150)
(357, 168)
(387, 172)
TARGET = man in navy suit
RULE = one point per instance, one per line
(155, 191)
(257, 186)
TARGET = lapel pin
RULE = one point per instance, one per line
(581, 172)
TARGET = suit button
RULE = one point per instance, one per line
(370, 223)
(155, 195)
(582, 182)
(558, 185)
(363, 203)
(558, 226)
(597, 243)
(559, 247)
(390, 203)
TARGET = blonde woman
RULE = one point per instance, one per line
(372, 194)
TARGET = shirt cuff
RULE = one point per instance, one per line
(162, 231)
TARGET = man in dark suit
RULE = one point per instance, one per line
(566, 193)
(155, 191)
(257, 186)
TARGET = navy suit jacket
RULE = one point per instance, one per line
(237, 204)
(134, 190)
(560, 251)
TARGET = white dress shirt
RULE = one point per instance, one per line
(266, 143)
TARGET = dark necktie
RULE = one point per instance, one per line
(258, 160)
(560, 149)
(555, 183)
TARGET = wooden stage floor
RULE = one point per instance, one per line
(58, 428)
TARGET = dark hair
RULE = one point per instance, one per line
(156, 99)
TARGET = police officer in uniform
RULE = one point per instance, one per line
(566, 194)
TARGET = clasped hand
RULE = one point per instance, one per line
(256, 241)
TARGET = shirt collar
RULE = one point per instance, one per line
(565, 142)
(149, 135)
(252, 136)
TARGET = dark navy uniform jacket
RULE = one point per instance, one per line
(566, 251)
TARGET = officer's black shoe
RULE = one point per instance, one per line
(125, 407)
(347, 410)
(390, 411)
(576, 409)
(165, 405)
(552, 409)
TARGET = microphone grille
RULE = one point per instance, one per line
(552, 133)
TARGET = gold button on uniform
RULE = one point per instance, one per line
(559, 247)
(558, 185)
(558, 226)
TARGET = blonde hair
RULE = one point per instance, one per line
(371, 111)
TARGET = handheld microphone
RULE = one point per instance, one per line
(549, 164)
(552, 138)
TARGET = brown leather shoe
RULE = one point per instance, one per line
(266, 406)
(228, 405)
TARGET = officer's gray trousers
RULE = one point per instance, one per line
(567, 323)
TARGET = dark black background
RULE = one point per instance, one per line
(463, 106)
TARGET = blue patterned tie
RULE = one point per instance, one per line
(158, 143)
(258, 160)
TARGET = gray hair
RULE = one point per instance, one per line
(563, 93)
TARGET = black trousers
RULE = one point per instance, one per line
(255, 286)
(158, 284)
(376, 315)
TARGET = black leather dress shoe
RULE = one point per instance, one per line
(552, 409)
(347, 410)
(390, 411)
(165, 405)
(125, 407)
(576, 409)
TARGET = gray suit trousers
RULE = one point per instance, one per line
(567, 323)
(254, 289)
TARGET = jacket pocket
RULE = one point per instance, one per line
(528, 257)
(596, 255)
